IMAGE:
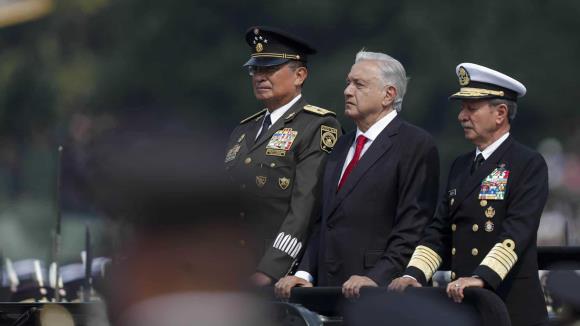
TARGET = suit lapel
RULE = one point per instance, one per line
(278, 124)
(334, 168)
(378, 148)
(473, 181)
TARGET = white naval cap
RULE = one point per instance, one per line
(479, 82)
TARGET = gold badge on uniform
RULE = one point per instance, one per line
(259, 47)
(328, 138)
(231, 155)
(281, 142)
(490, 212)
(488, 226)
(463, 76)
(483, 203)
(283, 183)
(261, 180)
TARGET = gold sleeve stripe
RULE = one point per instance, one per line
(500, 259)
(425, 259)
(508, 257)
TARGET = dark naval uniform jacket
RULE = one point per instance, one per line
(371, 226)
(487, 225)
(279, 177)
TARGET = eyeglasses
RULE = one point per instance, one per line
(266, 70)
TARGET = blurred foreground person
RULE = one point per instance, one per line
(490, 214)
(175, 267)
(275, 157)
(380, 187)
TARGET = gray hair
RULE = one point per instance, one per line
(392, 73)
(512, 106)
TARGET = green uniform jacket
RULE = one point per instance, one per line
(279, 177)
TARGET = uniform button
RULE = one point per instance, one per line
(453, 251)
(242, 214)
(474, 252)
(453, 227)
(475, 227)
(243, 243)
(452, 275)
(272, 165)
(248, 160)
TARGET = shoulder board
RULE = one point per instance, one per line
(317, 110)
(253, 116)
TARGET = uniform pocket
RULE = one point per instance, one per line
(275, 179)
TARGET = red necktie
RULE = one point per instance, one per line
(360, 143)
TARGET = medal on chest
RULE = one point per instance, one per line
(281, 142)
(494, 185)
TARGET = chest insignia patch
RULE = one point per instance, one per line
(261, 181)
(283, 183)
(489, 226)
(494, 185)
(231, 155)
(281, 142)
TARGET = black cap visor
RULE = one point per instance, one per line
(265, 62)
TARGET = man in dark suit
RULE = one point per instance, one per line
(488, 219)
(275, 157)
(379, 191)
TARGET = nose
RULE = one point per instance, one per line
(462, 116)
(348, 90)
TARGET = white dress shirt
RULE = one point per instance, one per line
(371, 134)
(278, 113)
(491, 148)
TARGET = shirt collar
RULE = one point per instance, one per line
(491, 148)
(276, 114)
(373, 132)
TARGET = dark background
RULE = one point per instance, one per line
(93, 65)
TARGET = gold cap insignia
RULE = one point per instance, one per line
(463, 77)
(261, 180)
(490, 212)
(259, 47)
(328, 138)
(283, 183)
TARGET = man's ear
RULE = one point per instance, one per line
(301, 74)
(502, 113)
(390, 95)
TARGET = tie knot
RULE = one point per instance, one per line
(361, 140)
(267, 121)
(479, 159)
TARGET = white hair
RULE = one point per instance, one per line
(392, 73)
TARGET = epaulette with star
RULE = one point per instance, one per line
(318, 111)
(253, 116)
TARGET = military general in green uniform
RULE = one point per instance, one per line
(276, 156)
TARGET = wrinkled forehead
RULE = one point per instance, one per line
(365, 70)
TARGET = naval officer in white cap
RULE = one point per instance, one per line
(488, 219)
